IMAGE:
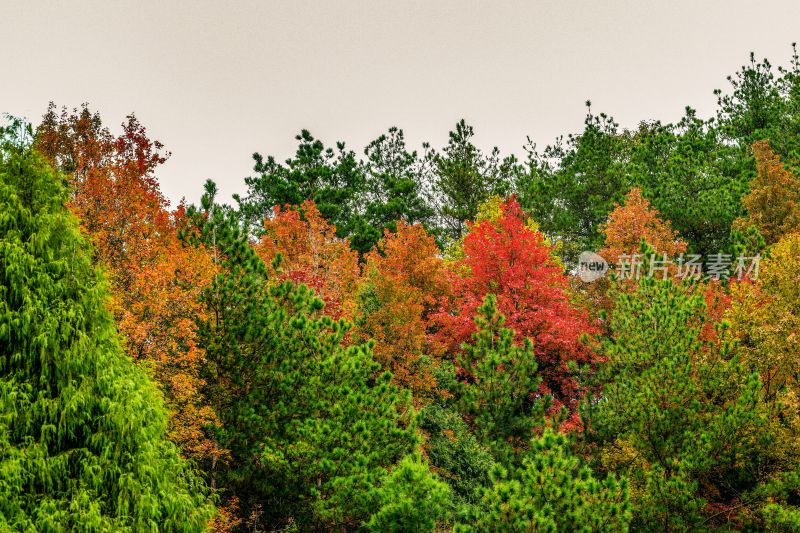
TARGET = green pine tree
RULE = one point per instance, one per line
(498, 395)
(333, 179)
(678, 416)
(312, 424)
(553, 491)
(82, 429)
(464, 178)
(411, 499)
(395, 189)
(571, 187)
(452, 448)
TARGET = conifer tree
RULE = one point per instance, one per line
(761, 104)
(553, 491)
(500, 380)
(679, 416)
(311, 423)
(82, 429)
(333, 179)
(411, 499)
(457, 455)
(396, 189)
(571, 186)
(464, 177)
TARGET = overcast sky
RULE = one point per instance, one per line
(216, 81)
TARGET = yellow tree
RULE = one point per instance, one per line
(765, 317)
(773, 203)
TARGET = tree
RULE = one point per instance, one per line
(773, 203)
(498, 385)
(678, 416)
(464, 178)
(507, 258)
(155, 280)
(571, 187)
(82, 429)
(333, 179)
(403, 282)
(396, 189)
(553, 491)
(628, 225)
(456, 455)
(311, 424)
(633, 221)
(311, 253)
(764, 318)
(689, 171)
(694, 178)
(762, 104)
(411, 499)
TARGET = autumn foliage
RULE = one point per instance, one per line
(630, 223)
(346, 350)
(155, 279)
(505, 257)
(404, 281)
(633, 220)
(311, 253)
(773, 203)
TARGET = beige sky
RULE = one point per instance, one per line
(216, 81)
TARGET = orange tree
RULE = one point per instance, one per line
(403, 282)
(155, 280)
(310, 253)
(773, 203)
(627, 226)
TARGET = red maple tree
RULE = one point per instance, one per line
(506, 257)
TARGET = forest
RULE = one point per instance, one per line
(401, 339)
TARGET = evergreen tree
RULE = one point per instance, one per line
(693, 177)
(553, 491)
(498, 391)
(361, 198)
(411, 499)
(689, 171)
(763, 103)
(311, 423)
(570, 188)
(396, 189)
(82, 429)
(452, 448)
(464, 177)
(333, 179)
(678, 416)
